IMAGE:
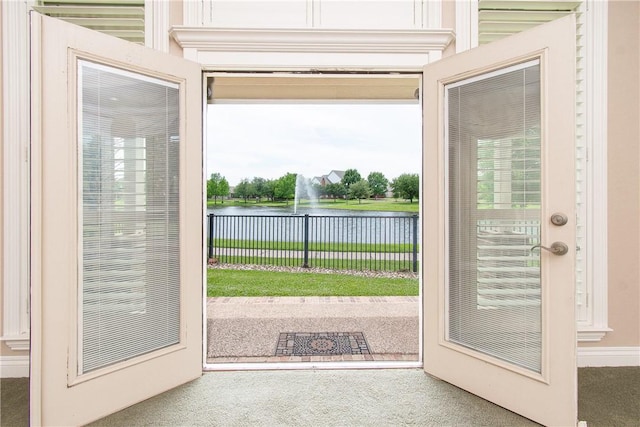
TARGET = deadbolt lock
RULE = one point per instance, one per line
(559, 219)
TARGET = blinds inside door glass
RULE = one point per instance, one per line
(493, 134)
(129, 266)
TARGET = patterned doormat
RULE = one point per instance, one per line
(321, 343)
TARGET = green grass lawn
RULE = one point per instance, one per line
(382, 205)
(253, 283)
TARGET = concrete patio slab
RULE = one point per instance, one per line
(245, 329)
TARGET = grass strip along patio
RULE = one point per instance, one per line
(250, 283)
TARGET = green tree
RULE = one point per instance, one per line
(378, 184)
(212, 185)
(406, 186)
(223, 189)
(217, 186)
(268, 189)
(350, 176)
(319, 190)
(359, 190)
(258, 187)
(285, 188)
(335, 191)
(244, 189)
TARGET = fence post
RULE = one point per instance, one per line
(415, 243)
(305, 263)
(210, 243)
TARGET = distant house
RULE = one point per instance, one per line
(333, 177)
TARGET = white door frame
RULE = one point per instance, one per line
(311, 365)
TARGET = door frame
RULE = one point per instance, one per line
(288, 74)
(12, 298)
(15, 329)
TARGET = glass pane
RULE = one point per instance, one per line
(494, 214)
(129, 192)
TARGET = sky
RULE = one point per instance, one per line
(269, 140)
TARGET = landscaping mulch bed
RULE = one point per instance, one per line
(363, 273)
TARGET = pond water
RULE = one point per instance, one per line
(323, 225)
(288, 210)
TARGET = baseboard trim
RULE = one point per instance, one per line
(14, 366)
(18, 366)
(608, 356)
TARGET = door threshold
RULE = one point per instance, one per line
(288, 366)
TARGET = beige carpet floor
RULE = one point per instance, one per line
(608, 397)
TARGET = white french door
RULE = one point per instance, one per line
(117, 210)
(499, 222)
(116, 219)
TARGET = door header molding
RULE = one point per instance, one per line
(311, 49)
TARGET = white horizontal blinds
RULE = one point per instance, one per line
(120, 18)
(130, 264)
(493, 135)
(500, 18)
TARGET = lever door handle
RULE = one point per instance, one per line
(556, 248)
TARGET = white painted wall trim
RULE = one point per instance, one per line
(596, 257)
(433, 10)
(18, 366)
(588, 334)
(14, 366)
(608, 356)
(311, 49)
(197, 13)
(192, 12)
(156, 24)
(15, 191)
(311, 40)
(466, 25)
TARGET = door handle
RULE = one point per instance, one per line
(556, 248)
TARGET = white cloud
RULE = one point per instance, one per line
(269, 140)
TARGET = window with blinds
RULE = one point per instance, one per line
(129, 266)
(500, 18)
(493, 137)
(120, 18)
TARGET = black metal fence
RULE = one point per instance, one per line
(379, 243)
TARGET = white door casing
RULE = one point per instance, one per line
(468, 353)
(70, 385)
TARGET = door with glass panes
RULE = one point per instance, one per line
(499, 221)
(116, 219)
(117, 205)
